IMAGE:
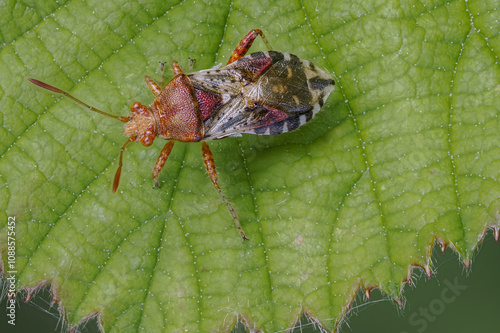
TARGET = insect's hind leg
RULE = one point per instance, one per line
(246, 43)
(210, 165)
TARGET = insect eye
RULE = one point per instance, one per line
(137, 108)
(147, 140)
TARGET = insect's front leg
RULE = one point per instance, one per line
(153, 86)
(160, 162)
(176, 68)
(245, 44)
(210, 165)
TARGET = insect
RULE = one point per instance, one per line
(264, 93)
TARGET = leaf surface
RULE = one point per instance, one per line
(405, 151)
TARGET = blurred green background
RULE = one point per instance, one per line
(476, 308)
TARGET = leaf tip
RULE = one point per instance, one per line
(427, 270)
(367, 293)
(29, 294)
(442, 244)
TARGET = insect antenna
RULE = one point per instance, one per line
(119, 171)
(59, 91)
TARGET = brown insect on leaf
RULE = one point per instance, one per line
(264, 93)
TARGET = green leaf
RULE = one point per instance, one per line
(405, 152)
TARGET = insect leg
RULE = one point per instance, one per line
(176, 68)
(245, 44)
(210, 165)
(153, 86)
(160, 162)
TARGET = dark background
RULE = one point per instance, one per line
(475, 309)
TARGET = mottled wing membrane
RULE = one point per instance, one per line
(283, 86)
(263, 93)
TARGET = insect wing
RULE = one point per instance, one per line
(221, 81)
(231, 78)
(264, 93)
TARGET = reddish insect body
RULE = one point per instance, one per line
(263, 93)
